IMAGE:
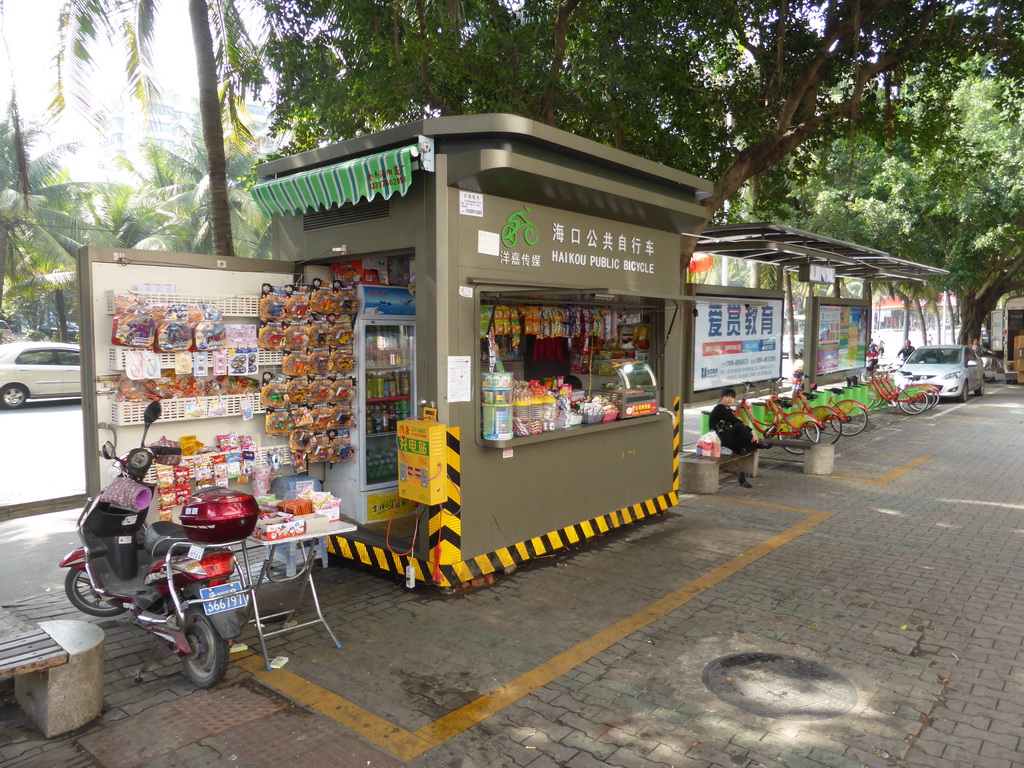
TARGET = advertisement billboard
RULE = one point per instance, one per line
(736, 342)
(842, 337)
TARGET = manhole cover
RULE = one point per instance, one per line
(773, 685)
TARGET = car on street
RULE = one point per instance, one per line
(38, 369)
(954, 368)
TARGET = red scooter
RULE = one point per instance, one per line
(180, 582)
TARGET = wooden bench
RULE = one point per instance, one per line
(58, 673)
(30, 651)
(700, 474)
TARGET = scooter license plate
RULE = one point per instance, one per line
(228, 597)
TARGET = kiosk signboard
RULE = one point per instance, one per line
(736, 342)
(842, 338)
(563, 248)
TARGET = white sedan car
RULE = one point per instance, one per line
(31, 369)
(954, 368)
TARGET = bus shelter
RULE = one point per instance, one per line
(837, 328)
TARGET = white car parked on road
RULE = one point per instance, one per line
(954, 368)
(30, 369)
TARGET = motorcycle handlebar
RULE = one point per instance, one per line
(165, 450)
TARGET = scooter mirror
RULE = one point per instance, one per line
(152, 412)
(107, 451)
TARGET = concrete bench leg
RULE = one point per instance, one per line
(61, 699)
(820, 459)
(699, 477)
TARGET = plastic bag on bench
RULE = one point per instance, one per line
(709, 444)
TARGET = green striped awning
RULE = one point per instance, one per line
(382, 174)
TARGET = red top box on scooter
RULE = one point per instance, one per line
(219, 515)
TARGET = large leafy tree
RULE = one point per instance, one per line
(957, 204)
(724, 89)
(228, 63)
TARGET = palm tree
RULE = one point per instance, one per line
(176, 181)
(228, 62)
(36, 221)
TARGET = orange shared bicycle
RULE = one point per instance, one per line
(798, 425)
(912, 398)
(844, 417)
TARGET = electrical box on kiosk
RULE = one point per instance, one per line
(421, 461)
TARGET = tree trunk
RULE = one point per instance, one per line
(923, 320)
(549, 96)
(4, 240)
(906, 317)
(62, 315)
(213, 128)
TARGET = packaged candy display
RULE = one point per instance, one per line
(298, 391)
(313, 325)
(279, 422)
(175, 386)
(300, 440)
(296, 306)
(272, 306)
(296, 337)
(271, 336)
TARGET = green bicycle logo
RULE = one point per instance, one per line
(514, 224)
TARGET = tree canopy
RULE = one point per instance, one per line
(723, 89)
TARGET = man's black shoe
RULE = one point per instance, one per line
(743, 481)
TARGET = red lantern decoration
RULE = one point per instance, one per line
(701, 262)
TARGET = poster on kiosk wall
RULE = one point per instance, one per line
(736, 342)
(842, 338)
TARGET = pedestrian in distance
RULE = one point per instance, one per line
(905, 352)
(872, 357)
(734, 434)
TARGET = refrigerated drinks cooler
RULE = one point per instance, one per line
(385, 394)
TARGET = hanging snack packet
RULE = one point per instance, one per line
(182, 484)
(204, 471)
(220, 470)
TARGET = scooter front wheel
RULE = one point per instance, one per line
(82, 596)
(206, 664)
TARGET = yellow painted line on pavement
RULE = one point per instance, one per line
(398, 741)
(408, 745)
(894, 475)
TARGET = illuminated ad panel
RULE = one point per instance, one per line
(735, 342)
(842, 338)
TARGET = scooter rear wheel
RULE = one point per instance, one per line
(208, 662)
(82, 596)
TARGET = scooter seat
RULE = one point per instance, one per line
(160, 536)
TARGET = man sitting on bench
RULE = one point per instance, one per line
(734, 434)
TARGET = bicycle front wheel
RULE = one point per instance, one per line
(911, 404)
(856, 417)
(809, 430)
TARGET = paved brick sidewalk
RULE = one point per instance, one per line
(904, 579)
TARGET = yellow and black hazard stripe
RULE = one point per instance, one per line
(445, 566)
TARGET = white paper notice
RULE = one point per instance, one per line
(471, 203)
(460, 378)
(488, 243)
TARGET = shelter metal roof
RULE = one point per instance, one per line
(791, 248)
